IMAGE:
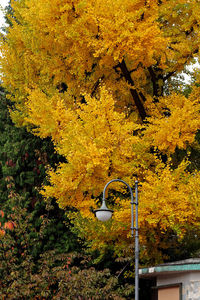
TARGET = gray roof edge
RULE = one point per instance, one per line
(179, 266)
(182, 262)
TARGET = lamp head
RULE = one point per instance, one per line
(103, 213)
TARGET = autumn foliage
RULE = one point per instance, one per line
(52, 274)
(97, 78)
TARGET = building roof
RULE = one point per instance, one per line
(187, 265)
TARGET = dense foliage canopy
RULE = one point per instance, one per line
(97, 78)
(38, 251)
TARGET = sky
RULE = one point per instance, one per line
(3, 3)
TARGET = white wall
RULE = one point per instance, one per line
(183, 278)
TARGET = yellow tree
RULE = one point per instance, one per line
(94, 76)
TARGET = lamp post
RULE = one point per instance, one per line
(104, 214)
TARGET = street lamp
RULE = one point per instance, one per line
(104, 214)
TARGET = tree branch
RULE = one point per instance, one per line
(157, 79)
(154, 81)
(133, 91)
(169, 75)
(96, 85)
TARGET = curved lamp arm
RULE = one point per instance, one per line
(120, 180)
(104, 214)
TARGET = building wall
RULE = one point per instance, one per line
(191, 291)
(190, 283)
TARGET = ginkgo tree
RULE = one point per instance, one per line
(95, 77)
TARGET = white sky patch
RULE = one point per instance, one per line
(191, 68)
(3, 4)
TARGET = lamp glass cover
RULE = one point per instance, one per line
(103, 215)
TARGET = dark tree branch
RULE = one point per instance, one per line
(168, 75)
(157, 81)
(133, 91)
(142, 96)
(154, 81)
(96, 85)
(135, 69)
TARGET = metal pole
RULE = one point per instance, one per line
(132, 228)
(136, 244)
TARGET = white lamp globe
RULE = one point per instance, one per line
(103, 213)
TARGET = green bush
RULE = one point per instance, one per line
(52, 275)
